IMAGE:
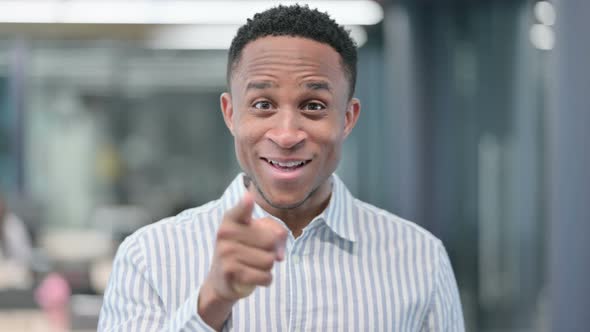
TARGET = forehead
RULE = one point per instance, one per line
(295, 56)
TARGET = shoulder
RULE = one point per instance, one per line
(374, 221)
(201, 220)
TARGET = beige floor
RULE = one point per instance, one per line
(27, 321)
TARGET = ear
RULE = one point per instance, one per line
(227, 110)
(352, 114)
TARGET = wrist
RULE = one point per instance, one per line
(213, 308)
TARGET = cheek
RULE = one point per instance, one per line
(246, 137)
(329, 135)
(244, 127)
(243, 146)
(330, 139)
(243, 152)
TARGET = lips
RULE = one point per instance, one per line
(287, 164)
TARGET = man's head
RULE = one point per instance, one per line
(289, 107)
(296, 21)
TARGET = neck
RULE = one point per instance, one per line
(299, 217)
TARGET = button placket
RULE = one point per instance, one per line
(299, 274)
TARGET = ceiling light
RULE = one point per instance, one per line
(361, 12)
(213, 37)
(542, 37)
(545, 12)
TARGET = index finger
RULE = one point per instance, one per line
(242, 212)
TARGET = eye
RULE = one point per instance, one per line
(262, 105)
(313, 106)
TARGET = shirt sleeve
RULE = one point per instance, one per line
(131, 303)
(445, 312)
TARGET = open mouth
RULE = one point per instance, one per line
(289, 165)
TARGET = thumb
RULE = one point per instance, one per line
(242, 212)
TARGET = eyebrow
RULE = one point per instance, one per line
(259, 85)
(318, 86)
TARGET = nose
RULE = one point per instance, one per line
(286, 131)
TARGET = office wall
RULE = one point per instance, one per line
(570, 170)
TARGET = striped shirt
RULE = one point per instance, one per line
(355, 267)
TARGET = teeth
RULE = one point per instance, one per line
(287, 164)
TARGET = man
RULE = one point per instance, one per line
(286, 247)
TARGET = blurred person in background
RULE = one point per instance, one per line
(15, 242)
(15, 250)
(326, 261)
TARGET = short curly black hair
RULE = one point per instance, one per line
(297, 21)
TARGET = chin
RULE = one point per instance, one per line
(284, 203)
(283, 199)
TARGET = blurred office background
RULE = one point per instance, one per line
(474, 125)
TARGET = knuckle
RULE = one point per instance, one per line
(224, 232)
(267, 279)
(281, 233)
(269, 237)
(267, 262)
(274, 228)
(268, 244)
(226, 250)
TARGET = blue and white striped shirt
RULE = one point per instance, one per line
(354, 268)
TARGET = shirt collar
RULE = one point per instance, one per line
(337, 215)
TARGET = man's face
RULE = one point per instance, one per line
(289, 112)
